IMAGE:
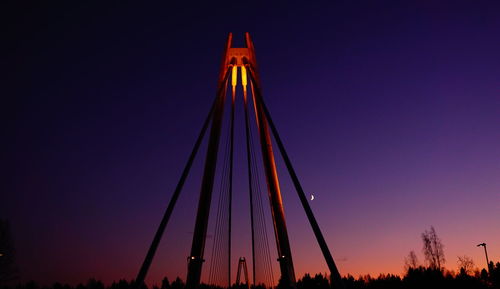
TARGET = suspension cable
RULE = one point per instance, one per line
(139, 280)
(259, 229)
(231, 157)
(250, 173)
(216, 276)
(335, 275)
(221, 250)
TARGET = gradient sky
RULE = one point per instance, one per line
(390, 113)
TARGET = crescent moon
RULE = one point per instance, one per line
(312, 197)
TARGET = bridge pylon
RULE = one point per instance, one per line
(240, 61)
(242, 268)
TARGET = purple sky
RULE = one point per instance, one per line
(390, 114)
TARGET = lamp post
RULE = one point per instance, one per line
(485, 253)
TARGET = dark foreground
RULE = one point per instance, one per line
(415, 278)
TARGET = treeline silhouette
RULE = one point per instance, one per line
(414, 278)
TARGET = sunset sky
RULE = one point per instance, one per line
(390, 113)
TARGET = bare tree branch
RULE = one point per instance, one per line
(433, 249)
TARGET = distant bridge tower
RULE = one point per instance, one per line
(244, 61)
(242, 266)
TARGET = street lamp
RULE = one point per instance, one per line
(485, 253)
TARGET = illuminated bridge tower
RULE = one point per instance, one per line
(241, 61)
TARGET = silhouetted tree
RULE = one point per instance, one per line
(495, 274)
(259, 286)
(281, 284)
(80, 286)
(433, 249)
(165, 284)
(421, 277)
(411, 261)
(484, 274)
(415, 278)
(8, 269)
(177, 284)
(465, 264)
(94, 284)
(388, 281)
(351, 283)
(319, 281)
(31, 285)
